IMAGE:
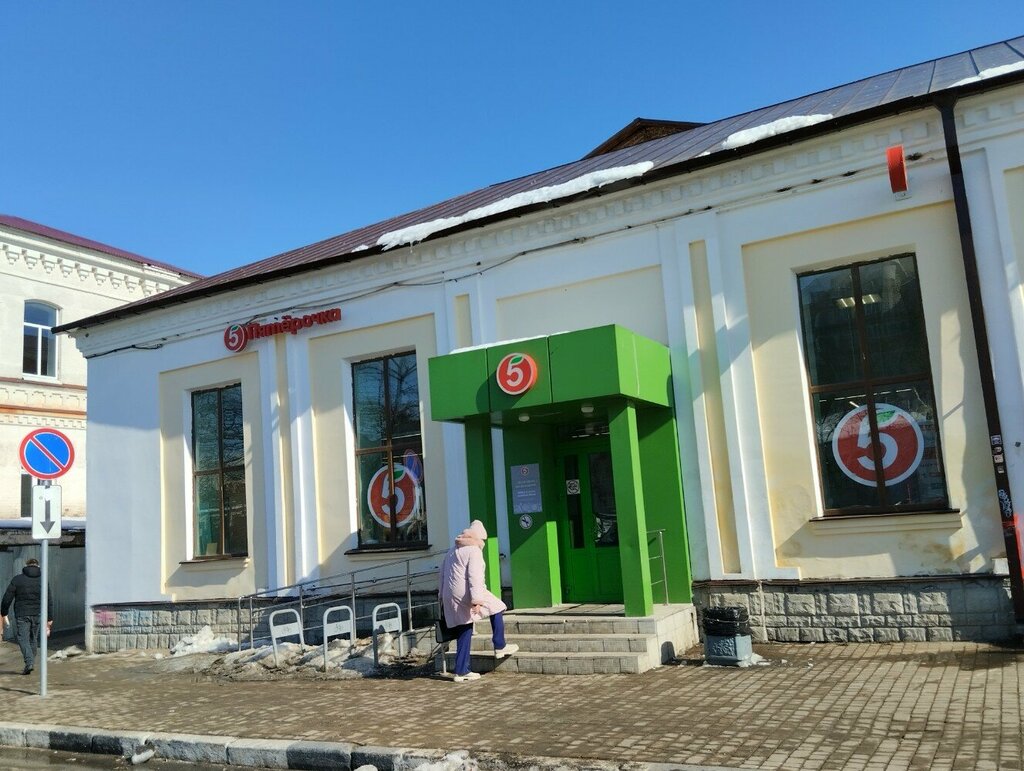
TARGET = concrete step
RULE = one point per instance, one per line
(575, 625)
(532, 662)
(576, 643)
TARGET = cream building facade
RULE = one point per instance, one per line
(835, 453)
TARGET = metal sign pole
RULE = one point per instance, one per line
(43, 614)
(46, 454)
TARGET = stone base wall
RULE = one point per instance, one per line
(158, 625)
(917, 609)
(162, 625)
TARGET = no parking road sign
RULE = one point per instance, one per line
(46, 453)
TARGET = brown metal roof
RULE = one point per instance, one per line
(18, 223)
(864, 100)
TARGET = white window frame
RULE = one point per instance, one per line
(39, 328)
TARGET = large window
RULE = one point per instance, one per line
(39, 349)
(871, 388)
(218, 473)
(389, 453)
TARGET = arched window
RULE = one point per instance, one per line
(39, 355)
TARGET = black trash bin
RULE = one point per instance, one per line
(726, 635)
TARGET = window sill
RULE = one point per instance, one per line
(389, 550)
(28, 377)
(894, 521)
(217, 562)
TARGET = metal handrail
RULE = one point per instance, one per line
(309, 591)
(660, 533)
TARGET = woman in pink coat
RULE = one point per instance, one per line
(464, 598)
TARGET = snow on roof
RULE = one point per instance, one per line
(594, 179)
(991, 72)
(765, 130)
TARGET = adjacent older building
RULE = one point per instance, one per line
(50, 277)
(779, 344)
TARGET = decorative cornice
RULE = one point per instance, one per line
(40, 397)
(32, 420)
(107, 275)
(828, 160)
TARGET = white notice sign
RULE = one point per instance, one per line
(45, 512)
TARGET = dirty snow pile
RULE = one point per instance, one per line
(780, 126)
(343, 660)
(66, 653)
(594, 179)
(204, 641)
(991, 72)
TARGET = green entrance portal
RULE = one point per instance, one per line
(592, 468)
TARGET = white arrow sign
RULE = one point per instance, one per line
(46, 512)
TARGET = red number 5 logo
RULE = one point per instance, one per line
(900, 437)
(516, 373)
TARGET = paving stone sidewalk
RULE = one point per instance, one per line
(818, 706)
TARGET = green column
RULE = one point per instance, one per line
(629, 506)
(480, 474)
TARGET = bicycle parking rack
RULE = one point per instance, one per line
(343, 626)
(390, 624)
(285, 629)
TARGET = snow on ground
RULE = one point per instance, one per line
(66, 653)
(780, 126)
(219, 656)
(991, 72)
(203, 642)
(414, 233)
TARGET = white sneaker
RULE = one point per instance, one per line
(508, 650)
(467, 677)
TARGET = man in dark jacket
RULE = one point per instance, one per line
(25, 591)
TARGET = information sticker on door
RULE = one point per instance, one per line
(526, 522)
(526, 494)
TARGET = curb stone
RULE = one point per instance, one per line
(55, 737)
(313, 755)
(297, 754)
(264, 753)
(13, 734)
(382, 758)
(123, 743)
(194, 748)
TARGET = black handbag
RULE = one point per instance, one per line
(444, 633)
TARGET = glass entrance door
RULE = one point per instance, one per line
(588, 532)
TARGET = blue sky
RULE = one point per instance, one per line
(210, 134)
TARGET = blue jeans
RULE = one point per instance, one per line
(465, 639)
(28, 639)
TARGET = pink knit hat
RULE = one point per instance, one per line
(477, 530)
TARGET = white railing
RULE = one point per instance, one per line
(397, 577)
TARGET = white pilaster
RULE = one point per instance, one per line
(739, 402)
(274, 422)
(1001, 290)
(688, 393)
(307, 563)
